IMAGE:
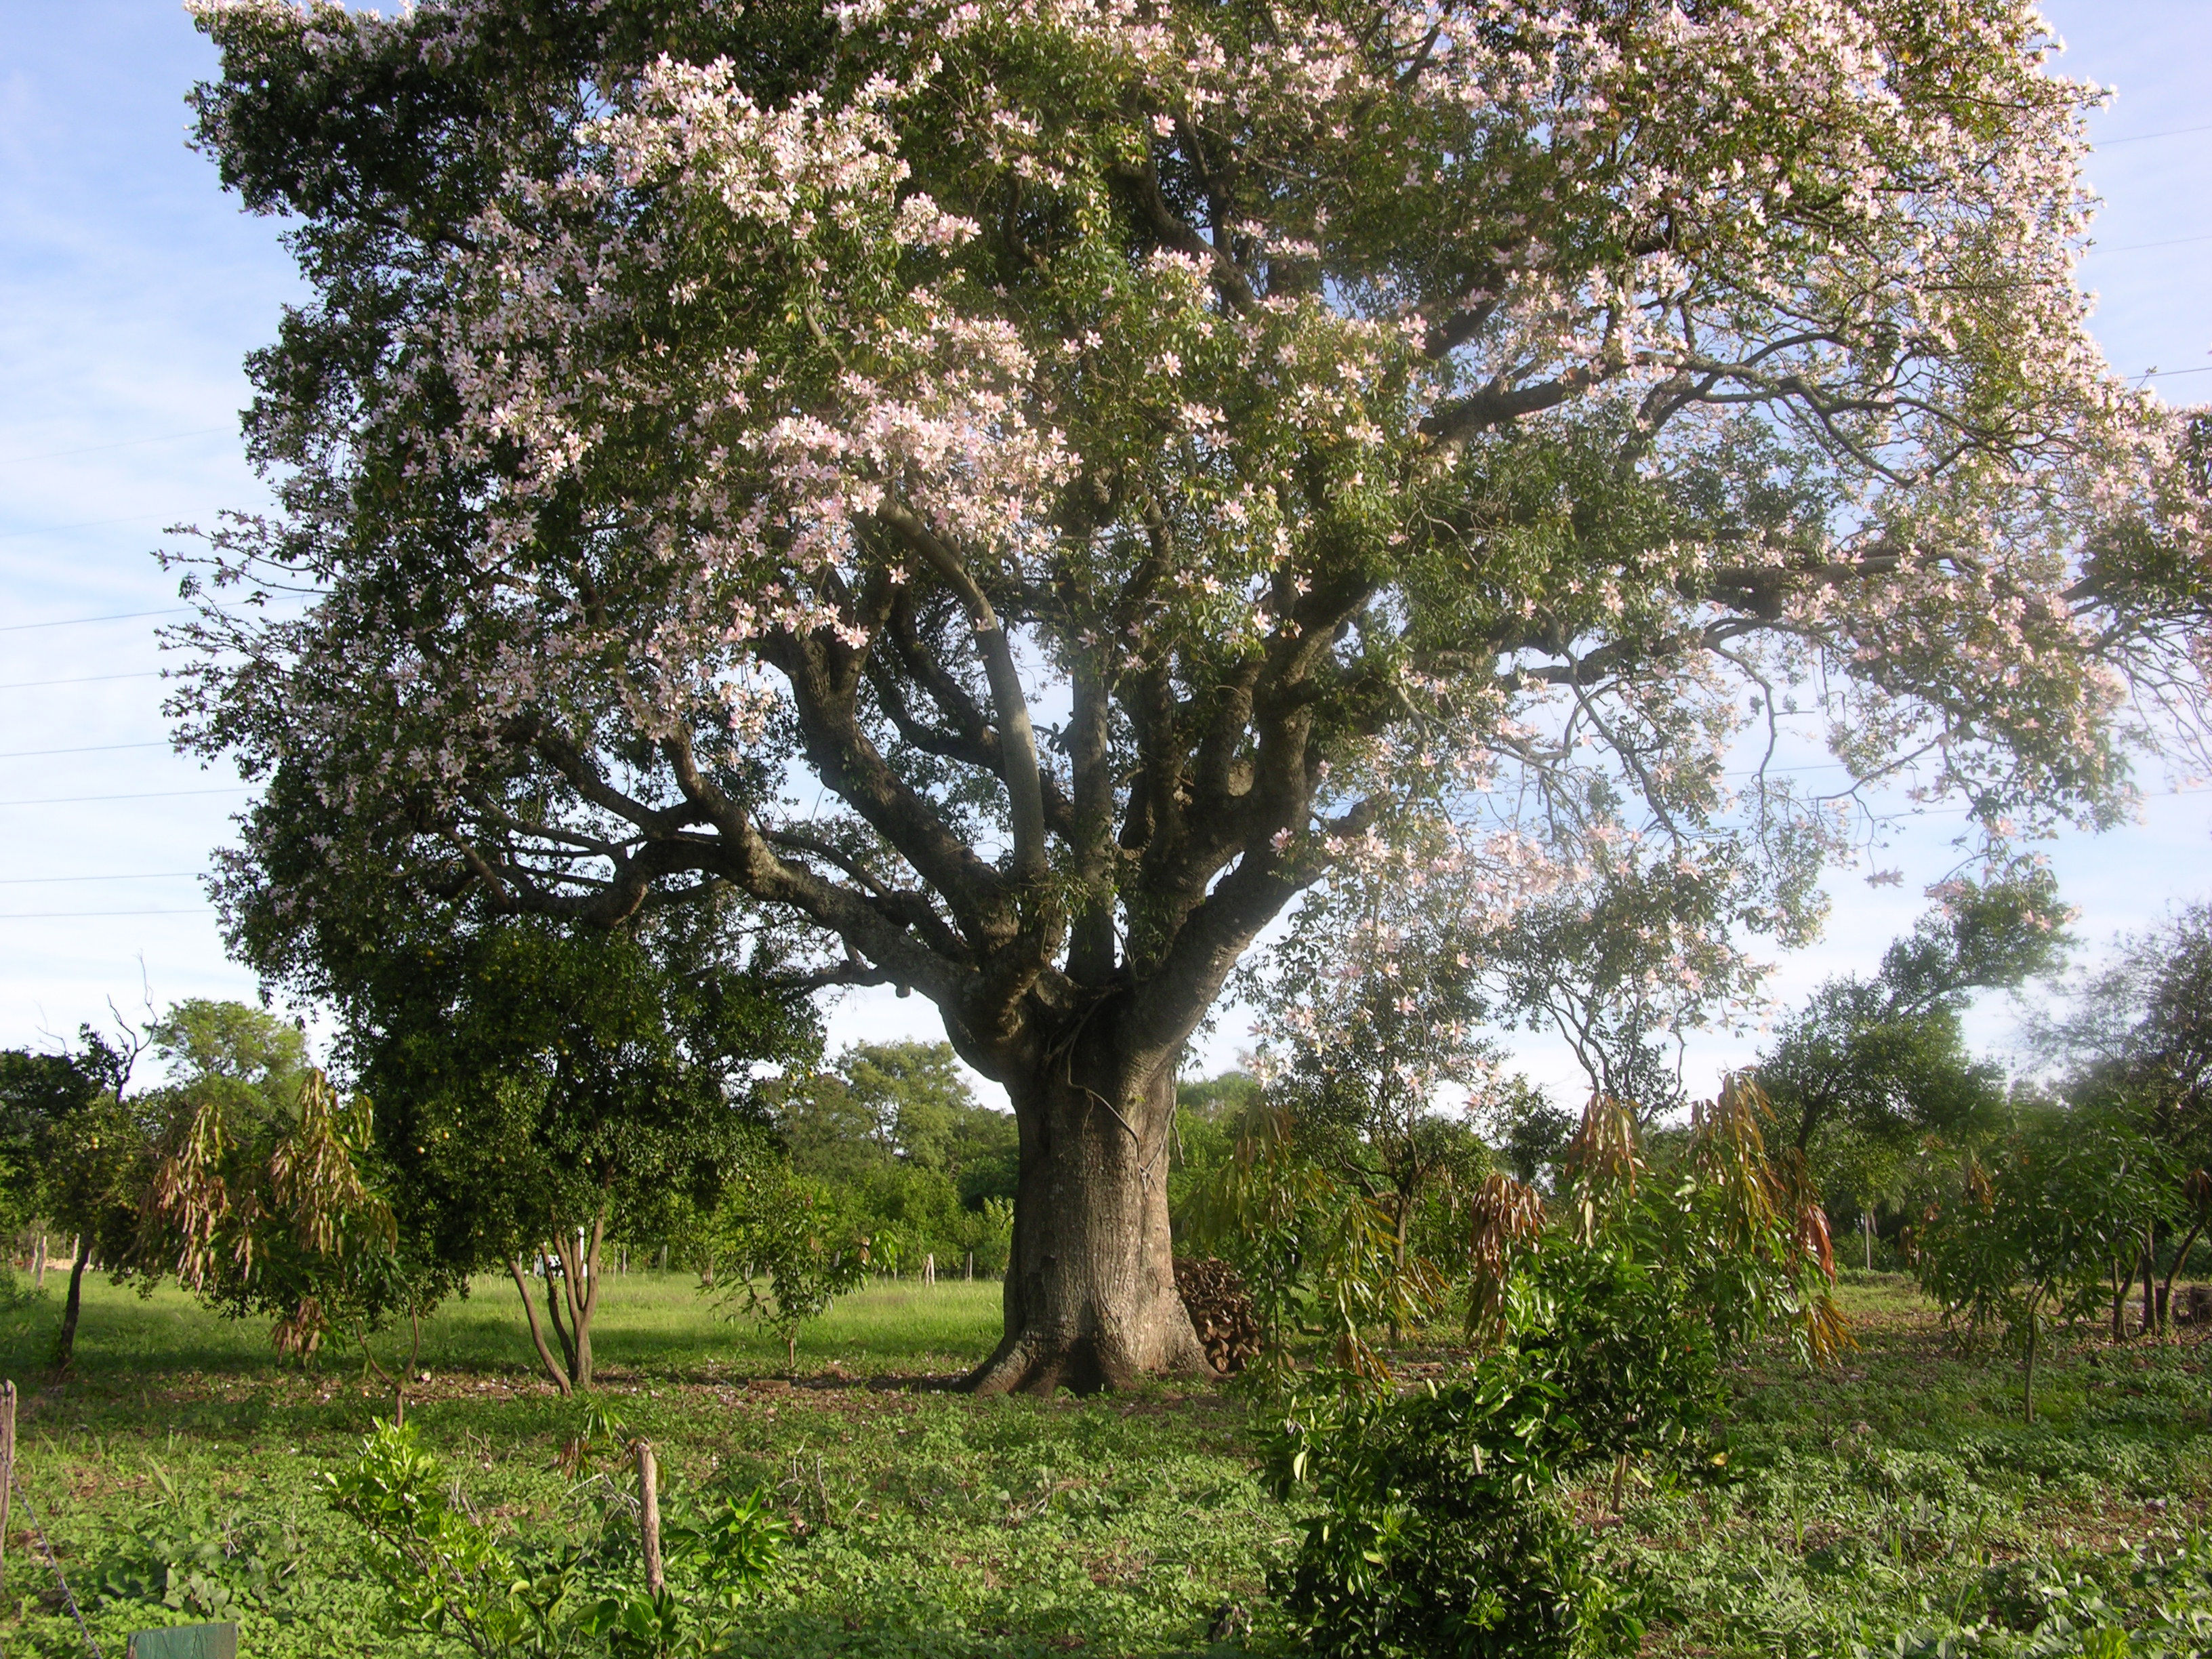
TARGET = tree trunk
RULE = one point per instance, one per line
(553, 1299)
(65, 1343)
(588, 1300)
(2165, 1290)
(1398, 1257)
(1091, 1300)
(553, 1367)
(2027, 1375)
(579, 1294)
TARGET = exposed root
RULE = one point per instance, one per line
(1042, 1363)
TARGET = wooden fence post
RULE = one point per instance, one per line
(7, 1470)
(648, 1514)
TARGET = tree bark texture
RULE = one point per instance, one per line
(1091, 1299)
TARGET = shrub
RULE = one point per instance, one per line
(1606, 1314)
(449, 1574)
(1444, 1528)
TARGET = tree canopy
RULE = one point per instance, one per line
(1885, 1058)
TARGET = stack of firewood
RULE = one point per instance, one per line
(1221, 1311)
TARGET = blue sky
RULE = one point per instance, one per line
(131, 288)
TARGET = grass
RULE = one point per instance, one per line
(1900, 1492)
(648, 1325)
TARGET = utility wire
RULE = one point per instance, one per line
(79, 915)
(79, 622)
(89, 523)
(85, 679)
(2145, 137)
(148, 875)
(123, 443)
(148, 795)
(2137, 248)
(86, 749)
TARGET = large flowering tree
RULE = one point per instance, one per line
(1019, 490)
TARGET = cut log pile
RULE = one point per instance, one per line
(1220, 1311)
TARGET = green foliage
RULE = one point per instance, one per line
(1443, 1526)
(1868, 1066)
(43, 1098)
(1321, 1257)
(72, 1152)
(2038, 1225)
(2136, 1036)
(728, 1554)
(1897, 1494)
(448, 1572)
(245, 1054)
(1210, 1116)
(777, 1226)
(444, 1569)
(191, 1557)
(913, 1159)
(534, 1080)
(260, 1207)
(1531, 1133)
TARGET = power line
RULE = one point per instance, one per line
(86, 679)
(72, 915)
(2137, 248)
(148, 795)
(78, 622)
(2145, 137)
(89, 523)
(86, 749)
(43, 881)
(124, 443)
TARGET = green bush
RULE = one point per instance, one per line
(449, 1574)
(1443, 1527)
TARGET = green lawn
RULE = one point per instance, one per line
(1896, 1492)
(648, 1325)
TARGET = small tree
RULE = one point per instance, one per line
(1884, 1059)
(539, 1090)
(1319, 1255)
(2033, 1233)
(77, 1154)
(270, 1213)
(1370, 1013)
(1602, 1321)
(780, 1227)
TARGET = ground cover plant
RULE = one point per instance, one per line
(1890, 1503)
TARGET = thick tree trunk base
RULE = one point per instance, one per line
(1090, 1297)
(1044, 1361)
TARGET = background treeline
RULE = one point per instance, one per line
(518, 1101)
